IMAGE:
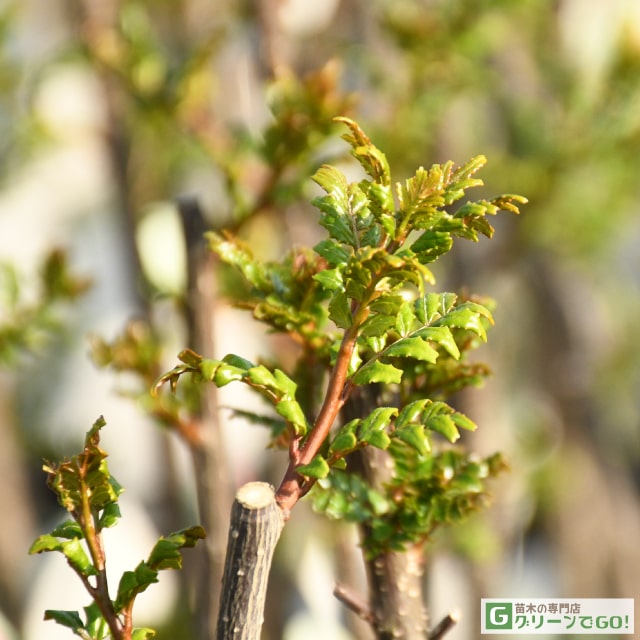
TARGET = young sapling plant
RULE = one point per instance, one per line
(87, 490)
(363, 413)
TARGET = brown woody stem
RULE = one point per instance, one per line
(292, 487)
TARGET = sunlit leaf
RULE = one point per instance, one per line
(345, 439)
(444, 425)
(412, 348)
(414, 435)
(292, 412)
(376, 371)
(317, 468)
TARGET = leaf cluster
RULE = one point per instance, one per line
(361, 304)
(87, 490)
(424, 493)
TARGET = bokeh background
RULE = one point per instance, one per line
(117, 116)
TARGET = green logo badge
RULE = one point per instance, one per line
(498, 615)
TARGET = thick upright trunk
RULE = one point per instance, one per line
(256, 525)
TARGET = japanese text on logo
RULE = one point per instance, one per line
(610, 616)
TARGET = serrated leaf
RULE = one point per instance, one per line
(317, 468)
(292, 412)
(414, 435)
(330, 279)
(68, 529)
(345, 439)
(444, 425)
(92, 439)
(388, 305)
(372, 429)
(84, 475)
(412, 348)
(77, 557)
(339, 310)
(430, 307)
(405, 319)
(373, 161)
(432, 244)
(69, 619)
(378, 439)
(133, 583)
(411, 413)
(466, 317)
(382, 206)
(441, 336)
(376, 371)
(333, 252)
(376, 326)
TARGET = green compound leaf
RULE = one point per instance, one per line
(468, 318)
(317, 468)
(376, 371)
(412, 348)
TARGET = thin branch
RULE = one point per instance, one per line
(354, 603)
(444, 626)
